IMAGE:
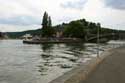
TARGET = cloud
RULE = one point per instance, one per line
(79, 4)
(116, 4)
(18, 15)
(20, 20)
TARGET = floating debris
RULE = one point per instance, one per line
(66, 66)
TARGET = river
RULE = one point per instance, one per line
(23, 63)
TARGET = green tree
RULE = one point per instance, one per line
(75, 29)
(45, 20)
(99, 27)
(47, 30)
(49, 22)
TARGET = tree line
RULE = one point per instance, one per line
(75, 29)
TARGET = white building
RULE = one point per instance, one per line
(27, 37)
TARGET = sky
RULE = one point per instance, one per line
(20, 15)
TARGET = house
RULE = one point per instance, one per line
(59, 32)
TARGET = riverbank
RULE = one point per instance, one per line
(79, 74)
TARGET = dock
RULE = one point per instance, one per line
(53, 40)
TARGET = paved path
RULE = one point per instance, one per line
(111, 70)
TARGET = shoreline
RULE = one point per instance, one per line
(82, 71)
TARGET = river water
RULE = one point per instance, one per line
(23, 63)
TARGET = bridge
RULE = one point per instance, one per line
(102, 37)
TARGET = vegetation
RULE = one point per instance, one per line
(74, 29)
(15, 35)
(82, 29)
(1, 35)
(47, 30)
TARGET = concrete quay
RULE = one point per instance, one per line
(111, 70)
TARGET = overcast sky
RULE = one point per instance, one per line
(20, 15)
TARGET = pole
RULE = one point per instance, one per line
(119, 37)
(98, 40)
(119, 34)
(114, 37)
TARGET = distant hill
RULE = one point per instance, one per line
(19, 34)
(1, 35)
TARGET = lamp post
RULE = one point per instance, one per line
(114, 38)
(98, 33)
(119, 36)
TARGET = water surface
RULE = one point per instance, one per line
(23, 63)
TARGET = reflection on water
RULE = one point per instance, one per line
(46, 47)
(23, 63)
(59, 55)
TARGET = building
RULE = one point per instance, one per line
(27, 37)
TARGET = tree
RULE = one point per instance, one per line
(47, 30)
(1, 34)
(45, 20)
(75, 29)
(92, 28)
(49, 22)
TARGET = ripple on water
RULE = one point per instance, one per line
(23, 63)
